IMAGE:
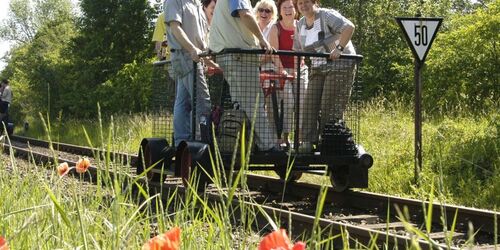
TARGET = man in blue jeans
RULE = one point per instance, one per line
(186, 34)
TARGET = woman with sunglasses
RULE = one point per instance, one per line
(325, 31)
(281, 38)
(266, 14)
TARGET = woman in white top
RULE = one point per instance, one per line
(325, 31)
(266, 14)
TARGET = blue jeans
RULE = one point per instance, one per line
(182, 107)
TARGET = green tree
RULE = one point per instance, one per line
(127, 91)
(113, 33)
(387, 68)
(464, 67)
(25, 18)
(37, 65)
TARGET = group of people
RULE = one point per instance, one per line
(193, 27)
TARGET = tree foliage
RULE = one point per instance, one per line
(464, 68)
(37, 67)
(113, 33)
(66, 62)
(27, 17)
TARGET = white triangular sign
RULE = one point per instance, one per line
(420, 33)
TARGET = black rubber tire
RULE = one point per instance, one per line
(185, 166)
(189, 155)
(152, 150)
(339, 177)
(292, 177)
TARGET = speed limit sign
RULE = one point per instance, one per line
(420, 33)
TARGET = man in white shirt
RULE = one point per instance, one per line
(234, 26)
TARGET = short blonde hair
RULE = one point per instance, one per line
(271, 4)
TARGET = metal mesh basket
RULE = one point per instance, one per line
(313, 103)
(162, 101)
(316, 103)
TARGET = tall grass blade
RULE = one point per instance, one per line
(82, 228)
(428, 218)
(59, 208)
(452, 230)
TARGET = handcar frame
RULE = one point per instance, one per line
(337, 125)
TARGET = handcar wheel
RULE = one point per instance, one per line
(148, 161)
(339, 177)
(292, 177)
(153, 151)
(186, 163)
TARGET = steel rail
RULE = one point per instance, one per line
(81, 150)
(482, 219)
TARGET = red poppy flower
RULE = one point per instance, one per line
(278, 240)
(82, 165)
(63, 169)
(3, 244)
(170, 240)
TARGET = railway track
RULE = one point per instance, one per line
(368, 218)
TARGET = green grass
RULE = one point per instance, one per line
(40, 209)
(126, 133)
(459, 153)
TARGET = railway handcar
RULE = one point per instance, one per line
(310, 115)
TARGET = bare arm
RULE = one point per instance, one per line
(249, 21)
(345, 37)
(274, 41)
(184, 41)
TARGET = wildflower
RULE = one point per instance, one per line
(82, 165)
(63, 169)
(278, 240)
(3, 244)
(170, 240)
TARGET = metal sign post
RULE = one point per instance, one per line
(419, 33)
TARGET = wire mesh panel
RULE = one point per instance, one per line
(242, 73)
(313, 107)
(309, 109)
(330, 117)
(162, 101)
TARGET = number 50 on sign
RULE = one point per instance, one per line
(419, 33)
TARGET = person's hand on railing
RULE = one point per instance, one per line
(264, 44)
(194, 54)
(212, 67)
(335, 54)
(285, 74)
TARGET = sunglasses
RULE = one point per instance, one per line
(268, 11)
